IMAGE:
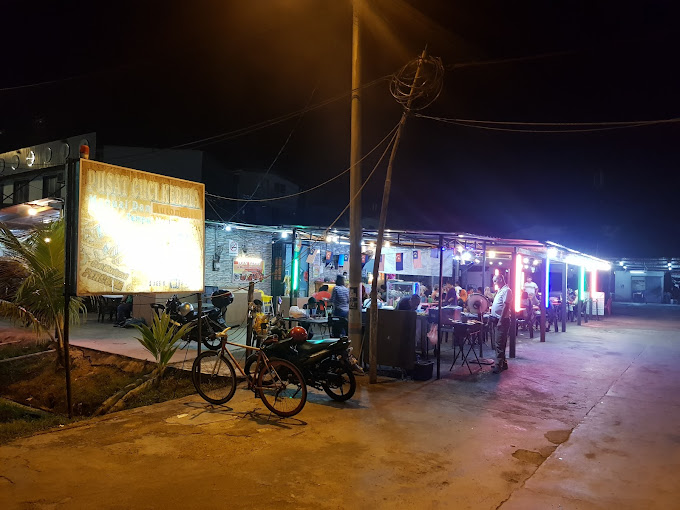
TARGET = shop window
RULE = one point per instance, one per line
(20, 192)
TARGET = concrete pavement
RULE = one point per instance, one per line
(587, 420)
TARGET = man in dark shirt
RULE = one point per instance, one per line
(409, 303)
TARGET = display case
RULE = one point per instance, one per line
(397, 289)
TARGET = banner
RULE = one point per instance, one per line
(138, 232)
(381, 267)
(248, 269)
(434, 253)
(417, 262)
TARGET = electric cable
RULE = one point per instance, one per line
(228, 135)
(571, 127)
(283, 197)
(278, 154)
(419, 83)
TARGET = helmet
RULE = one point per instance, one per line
(185, 309)
(222, 298)
(298, 334)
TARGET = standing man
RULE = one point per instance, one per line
(500, 311)
(531, 288)
(340, 302)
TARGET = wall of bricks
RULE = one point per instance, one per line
(250, 244)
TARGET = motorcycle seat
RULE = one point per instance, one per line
(312, 346)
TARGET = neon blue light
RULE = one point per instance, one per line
(546, 291)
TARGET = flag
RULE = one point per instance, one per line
(417, 263)
(434, 253)
(400, 262)
(363, 259)
(381, 267)
(329, 254)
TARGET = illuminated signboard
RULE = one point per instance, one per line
(138, 232)
(248, 269)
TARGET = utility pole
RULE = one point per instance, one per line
(355, 230)
(373, 346)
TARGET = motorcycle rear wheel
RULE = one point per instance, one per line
(214, 377)
(344, 391)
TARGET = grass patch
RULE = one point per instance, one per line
(19, 421)
(40, 383)
(172, 386)
(21, 349)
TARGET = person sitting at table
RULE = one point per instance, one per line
(409, 303)
(435, 294)
(450, 295)
(123, 311)
(322, 293)
(367, 303)
(462, 298)
(312, 306)
(527, 306)
(488, 294)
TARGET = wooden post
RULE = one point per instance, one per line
(439, 313)
(565, 298)
(546, 294)
(512, 277)
(481, 315)
(199, 332)
(70, 243)
(249, 317)
(373, 339)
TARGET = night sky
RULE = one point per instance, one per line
(169, 73)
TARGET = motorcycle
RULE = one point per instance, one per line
(212, 319)
(325, 364)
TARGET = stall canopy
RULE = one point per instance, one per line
(416, 253)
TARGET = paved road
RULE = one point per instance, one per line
(587, 420)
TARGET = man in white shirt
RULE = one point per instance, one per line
(500, 310)
(530, 288)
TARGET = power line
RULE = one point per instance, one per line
(572, 127)
(363, 185)
(278, 154)
(309, 189)
(521, 123)
(525, 58)
(229, 135)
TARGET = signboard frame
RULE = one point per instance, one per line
(152, 207)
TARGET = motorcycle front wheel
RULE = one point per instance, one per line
(340, 383)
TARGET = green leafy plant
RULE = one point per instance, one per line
(162, 339)
(39, 299)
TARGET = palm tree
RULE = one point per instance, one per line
(39, 299)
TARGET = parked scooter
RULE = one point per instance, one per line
(325, 364)
(212, 318)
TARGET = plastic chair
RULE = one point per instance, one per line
(267, 304)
